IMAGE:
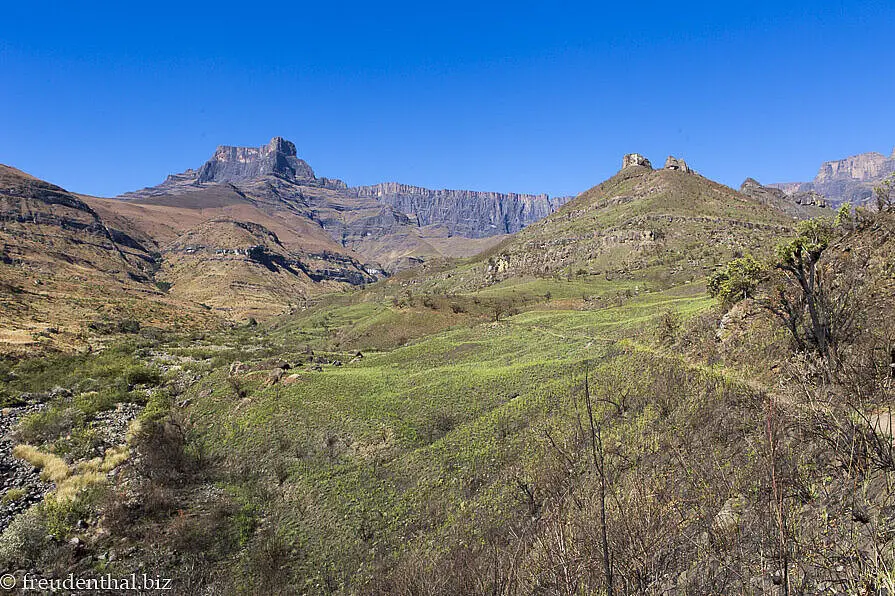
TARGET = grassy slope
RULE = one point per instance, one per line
(403, 446)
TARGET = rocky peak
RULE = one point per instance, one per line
(673, 163)
(281, 145)
(238, 164)
(635, 159)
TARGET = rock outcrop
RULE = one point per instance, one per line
(467, 213)
(238, 165)
(635, 159)
(673, 163)
(851, 179)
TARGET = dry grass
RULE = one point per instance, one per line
(53, 468)
(70, 484)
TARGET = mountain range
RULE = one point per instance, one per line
(387, 226)
(254, 232)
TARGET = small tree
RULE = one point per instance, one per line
(799, 260)
(818, 302)
(737, 280)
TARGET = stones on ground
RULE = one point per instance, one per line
(16, 474)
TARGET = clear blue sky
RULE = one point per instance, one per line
(516, 96)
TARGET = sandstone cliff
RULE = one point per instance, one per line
(797, 204)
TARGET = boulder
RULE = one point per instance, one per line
(728, 518)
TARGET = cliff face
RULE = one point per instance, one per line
(472, 214)
(851, 179)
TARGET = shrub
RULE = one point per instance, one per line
(129, 326)
(13, 495)
(93, 402)
(736, 281)
(48, 425)
(23, 541)
(142, 375)
(80, 443)
(166, 449)
(61, 515)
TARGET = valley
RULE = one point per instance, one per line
(265, 409)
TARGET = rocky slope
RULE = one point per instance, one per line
(851, 179)
(662, 226)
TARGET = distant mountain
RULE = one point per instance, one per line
(466, 213)
(252, 232)
(388, 226)
(851, 179)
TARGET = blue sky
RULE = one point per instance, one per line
(522, 96)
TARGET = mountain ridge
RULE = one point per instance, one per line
(473, 214)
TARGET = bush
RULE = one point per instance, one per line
(13, 495)
(736, 281)
(93, 402)
(61, 515)
(142, 375)
(81, 443)
(22, 542)
(48, 425)
(129, 326)
(168, 453)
